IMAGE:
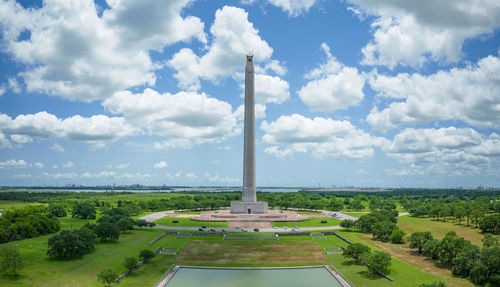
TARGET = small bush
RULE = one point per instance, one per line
(175, 221)
(324, 221)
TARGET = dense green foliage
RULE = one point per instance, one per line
(84, 210)
(130, 263)
(356, 251)
(146, 254)
(490, 224)
(377, 261)
(27, 222)
(70, 244)
(398, 236)
(107, 276)
(418, 239)
(10, 260)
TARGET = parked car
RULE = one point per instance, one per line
(212, 229)
(274, 227)
(256, 230)
(203, 226)
(237, 227)
(201, 229)
(224, 230)
(295, 229)
(244, 230)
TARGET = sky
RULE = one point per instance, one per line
(348, 92)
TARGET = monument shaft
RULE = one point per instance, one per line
(249, 190)
(249, 203)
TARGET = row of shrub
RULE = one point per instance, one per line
(27, 222)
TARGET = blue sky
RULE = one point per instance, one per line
(349, 93)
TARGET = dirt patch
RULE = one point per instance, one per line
(251, 252)
(405, 253)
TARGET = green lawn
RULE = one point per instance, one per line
(311, 222)
(169, 221)
(40, 270)
(6, 204)
(439, 228)
(406, 270)
(307, 212)
(189, 212)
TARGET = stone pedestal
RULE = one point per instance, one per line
(239, 207)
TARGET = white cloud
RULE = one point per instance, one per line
(75, 54)
(320, 136)
(69, 164)
(14, 85)
(451, 150)
(333, 86)
(57, 147)
(96, 130)
(410, 33)
(469, 94)
(176, 143)
(2, 91)
(270, 89)
(222, 179)
(160, 164)
(38, 165)
(122, 165)
(293, 7)
(260, 112)
(12, 163)
(4, 142)
(185, 116)
(233, 37)
(21, 139)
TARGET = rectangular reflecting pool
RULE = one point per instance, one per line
(290, 277)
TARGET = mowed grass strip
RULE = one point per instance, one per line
(439, 229)
(169, 221)
(311, 222)
(251, 253)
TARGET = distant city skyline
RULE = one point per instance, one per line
(349, 93)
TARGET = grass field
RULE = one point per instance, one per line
(252, 253)
(4, 204)
(439, 228)
(311, 222)
(307, 212)
(405, 264)
(41, 270)
(169, 221)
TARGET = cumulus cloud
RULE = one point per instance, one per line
(73, 53)
(122, 165)
(96, 130)
(323, 137)
(69, 164)
(333, 86)
(450, 150)
(410, 33)
(57, 147)
(12, 163)
(185, 116)
(293, 7)
(260, 112)
(217, 178)
(469, 94)
(176, 143)
(4, 142)
(233, 37)
(160, 164)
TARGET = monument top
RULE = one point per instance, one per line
(249, 56)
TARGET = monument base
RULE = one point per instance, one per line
(258, 207)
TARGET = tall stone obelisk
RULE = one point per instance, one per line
(249, 203)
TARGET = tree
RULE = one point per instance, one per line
(125, 223)
(378, 261)
(130, 263)
(356, 251)
(397, 236)
(430, 248)
(87, 237)
(490, 224)
(11, 260)
(465, 260)
(479, 274)
(107, 276)
(146, 254)
(383, 230)
(57, 210)
(66, 244)
(418, 239)
(489, 240)
(107, 231)
(449, 247)
(84, 210)
(347, 223)
(460, 213)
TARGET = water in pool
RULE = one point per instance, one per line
(311, 277)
